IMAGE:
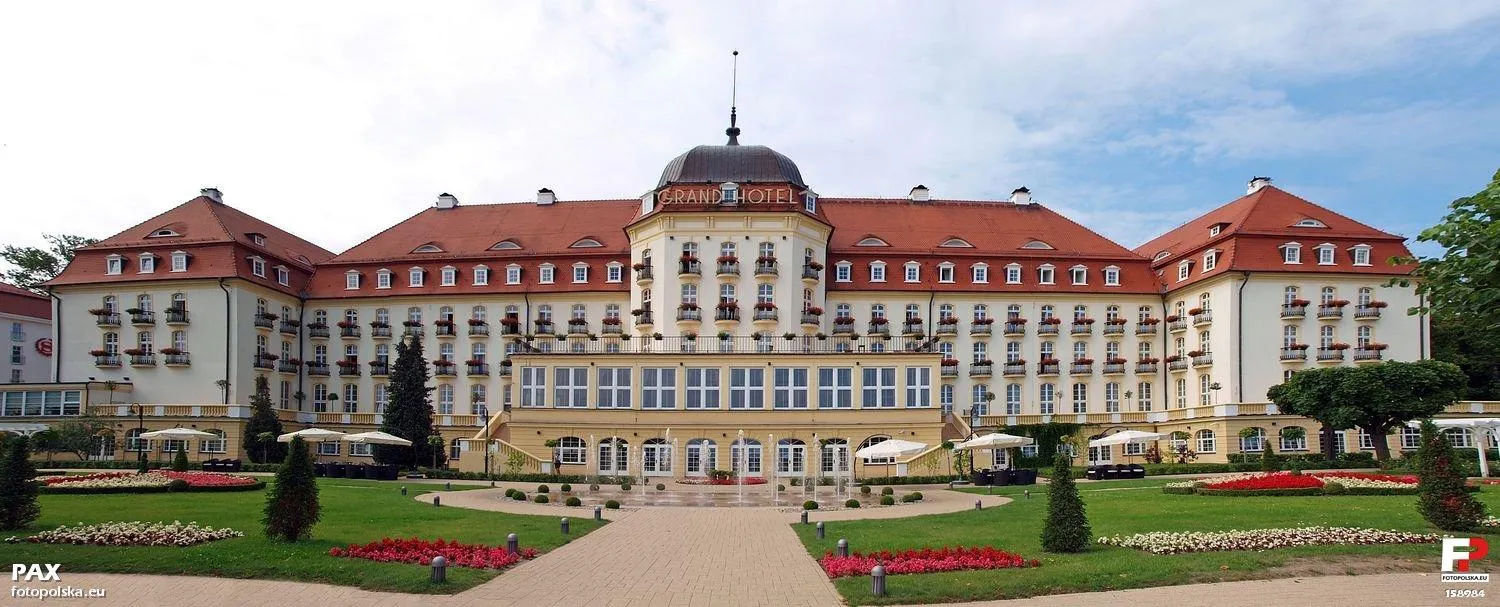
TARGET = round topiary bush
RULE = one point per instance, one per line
(624, 486)
(853, 503)
(908, 498)
(573, 501)
(864, 489)
(543, 489)
(566, 488)
(916, 496)
(887, 491)
(1331, 488)
(612, 505)
(886, 500)
(510, 493)
(519, 495)
(177, 484)
(809, 505)
(541, 498)
(781, 487)
(661, 487)
(593, 486)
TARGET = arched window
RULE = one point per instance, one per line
(1289, 295)
(383, 317)
(1012, 351)
(767, 251)
(877, 311)
(111, 304)
(1013, 399)
(702, 457)
(1293, 438)
(842, 311)
(479, 313)
(791, 456)
(1012, 311)
(445, 313)
(478, 397)
(690, 250)
(179, 341)
(981, 311)
(913, 311)
(1366, 295)
(727, 249)
(1203, 390)
(1048, 311)
(544, 313)
(833, 457)
(1252, 440)
(478, 350)
(1326, 295)
(1080, 312)
(1142, 313)
(1080, 398)
(1111, 313)
(382, 397)
(179, 301)
(572, 450)
(414, 314)
(1325, 336)
(745, 457)
(945, 311)
(445, 399)
(133, 440)
(579, 312)
(1362, 336)
(1207, 442)
(1203, 301)
(1046, 399)
(1288, 336)
(765, 293)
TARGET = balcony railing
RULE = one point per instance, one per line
(1329, 354)
(981, 328)
(107, 360)
(643, 274)
(690, 268)
(1203, 318)
(261, 362)
(1081, 368)
(287, 366)
(948, 371)
(1114, 368)
(979, 370)
(264, 322)
(728, 268)
(479, 369)
(1367, 312)
(578, 326)
(1080, 328)
(1015, 328)
(761, 314)
(317, 369)
(510, 326)
(727, 314)
(317, 331)
(1294, 354)
(883, 328)
(1327, 311)
(843, 328)
(799, 344)
(176, 360)
(378, 332)
(378, 368)
(1180, 324)
(444, 329)
(412, 331)
(766, 267)
(612, 328)
(1364, 355)
(177, 316)
(143, 318)
(349, 368)
(1114, 329)
(1145, 328)
(1013, 369)
(1177, 365)
(645, 318)
(505, 370)
(443, 368)
(107, 319)
(1048, 368)
(808, 318)
(810, 273)
(543, 327)
(480, 330)
(1046, 329)
(1293, 311)
(1207, 358)
(288, 327)
(143, 360)
(912, 328)
(1142, 368)
(947, 327)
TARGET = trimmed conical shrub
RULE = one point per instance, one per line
(1269, 461)
(18, 487)
(1440, 485)
(1067, 528)
(179, 461)
(292, 503)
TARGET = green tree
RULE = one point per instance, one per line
(1067, 527)
(77, 436)
(1373, 398)
(32, 266)
(292, 503)
(1465, 280)
(1458, 339)
(1440, 485)
(409, 413)
(1269, 461)
(262, 421)
(18, 487)
(180, 460)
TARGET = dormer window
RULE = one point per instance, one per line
(1210, 260)
(1325, 254)
(114, 264)
(351, 280)
(163, 233)
(258, 266)
(548, 274)
(1217, 228)
(259, 239)
(586, 243)
(448, 276)
(1184, 269)
(1013, 274)
(945, 272)
(1291, 253)
(505, 245)
(871, 241)
(843, 271)
(614, 272)
(414, 277)
(512, 274)
(913, 271)
(481, 275)
(283, 276)
(580, 273)
(147, 264)
(877, 271)
(1112, 276)
(957, 243)
(981, 273)
(1046, 274)
(1162, 255)
(383, 279)
(1309, 223)
(1079, 275)
(1036, 244)
(179, 261)
(729, 193)
(428, 248)
(1361, 254)
(810, 202)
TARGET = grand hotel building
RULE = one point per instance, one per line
(730, 312)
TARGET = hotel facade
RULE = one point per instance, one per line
(729, 318)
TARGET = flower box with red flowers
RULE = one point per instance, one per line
(1195, 353)
(1173, 358)
(1150, 321)
(1083, 361)
(474, 362)
(268, 316)
(510, 321)
(98, 352)
(443, 323)
(843, 320)
(347, 364)
(924, 560)
(411, 323)
(727, 259)
(1051, 321)
(1173, 318)
(815, 265)
(765, 305)
(1376, 346)
(1114, 361)
(1338, 346)
(879, 321)
(991, 321)
(1195, 311)
(1337, 303)
(420, 552)
(478, 322)
(1116, 321)
(638, 266)
(134, 351)
(374, 324)
(1298, 347)
(1377, 304)
(949, 362)
(1149, 360)
(611, 321)
(1048, 361)
(1083, 321)
(814, 310)
(728, 305)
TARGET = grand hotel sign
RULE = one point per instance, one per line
(715, 195)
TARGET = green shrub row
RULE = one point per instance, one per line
(912, 480)
(1353, 459)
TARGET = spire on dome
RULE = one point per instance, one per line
(733, 131)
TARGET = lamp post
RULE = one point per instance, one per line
(1128, 394)
(140, 414)
(1214, 387)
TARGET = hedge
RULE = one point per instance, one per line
(1353, 459)
(912, 480)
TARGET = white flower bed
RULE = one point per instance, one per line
(134, 533)
(1162, 542)
(149, 479)
(1365, 483)
(1490, 521)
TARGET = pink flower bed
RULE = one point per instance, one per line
(420, 552)
(749, 480)
(210, 479)
(924, 560)
(1405, 479)
(86, 477)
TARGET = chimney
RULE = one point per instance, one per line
(920, 194)
(545, 196)
(446, 201)
(1020, 195)
(212, 194)
(1257, 183)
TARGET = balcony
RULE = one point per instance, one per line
(949, 370)
(642, 273)
(1203, 360)
(1369, 354)
(317, 369)
(947, 327)
(444, 328)
(1114, 367)
(106, 360)
(543, 327)
(444, 368)
(812, 319)
(1295, 309)
(180, 359)
(578, 327)
(177, 316)
(1176, 324)
(765, 267)
(107, 319)
(765, 314)
(1146, 327)
(1114, 327)
(1081, 327)
(1330, 354)
(265, 321)
(142, 317)
(727, 269)
(1081, 368)
(1047, 328)
(377, 330)
(1015, 328)
(318, 331)
(505, 369)
(1369, 311)
(478, 328)
(412, 329)
(727, 312)
(510, 326)
(478, 369)
(981, 369)
(1142, 368)
(1051, 367)
(264, 361)
(1013, 369)
(379, 368)
(689, 268)
(289, 365)
(981, 327)
(879, 326)
(1330, 312)
(644, 319)
(1203, 317)
(1176, 363)
(289, 327)
(612, 326)
(730, 344)
(812, 272)
(912, 327)
(348, 368)
(143, 360)
(843, 326)
(1293, 353)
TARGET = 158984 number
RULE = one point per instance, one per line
(1464, 594)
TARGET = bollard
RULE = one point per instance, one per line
(1028, 494)
(492, 483)
(877, 580)
(448, 486)
(598, 513)
(437, 500)
(565, 526)
(512, 544)
(403, 490)
(804, 517)
(843, 547)
(820, 530)
(978, 505)
(439, 569)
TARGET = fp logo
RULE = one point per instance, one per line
(44, 572)
(1453, 560)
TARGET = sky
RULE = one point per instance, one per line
(336, 120)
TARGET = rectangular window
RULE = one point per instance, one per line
(1361, 256)
(383, 280)
(1046, 276)
(1325, 256)
(179, 262)
(613, 273)
(513, 275)
(877, 272)
(283, 276)
(1184, 269)
(351, 281)
(1013, 275)
(548, 275)
(981, 274)
(1291, 254)
(481, 276)
(449, 277)
(1111, 277)
(659, 388)
(113, 265)
(570, 386)
(879, 387)
(918, 387)
(1210, 260)
(328, 448)
(945, 273)
(841, 272)
(614, 388)
(1080, 276)
(580, 274)
(790, 387)
(747, 388)
(913, 273)
(148, 265)
(835, 387)
(258, 267)
(702, 388)
(533, 386)
(414, 277)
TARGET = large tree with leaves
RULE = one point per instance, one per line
(32, 266)
(1375, 398)
(1458, 339)
(1465, 280)
(263, 421)
(78, 436)
(409, 413)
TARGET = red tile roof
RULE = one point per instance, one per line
(469, 232)
(18, 301)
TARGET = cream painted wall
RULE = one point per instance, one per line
(33, 366)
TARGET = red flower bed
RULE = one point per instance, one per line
(87, 477)
(1389, 478)
(749, 480)
(924, 560)
(209, 479)
(420, 552)
(1274, 481)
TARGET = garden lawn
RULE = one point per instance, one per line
(1119, 507)
(354, 512)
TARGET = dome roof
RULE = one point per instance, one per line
(733, 162)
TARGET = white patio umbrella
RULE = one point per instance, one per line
(891, 449)
(182, 434)
(1124, 437)
(376, 438)
(312, 435)
(1480, 426)
(995, 440)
